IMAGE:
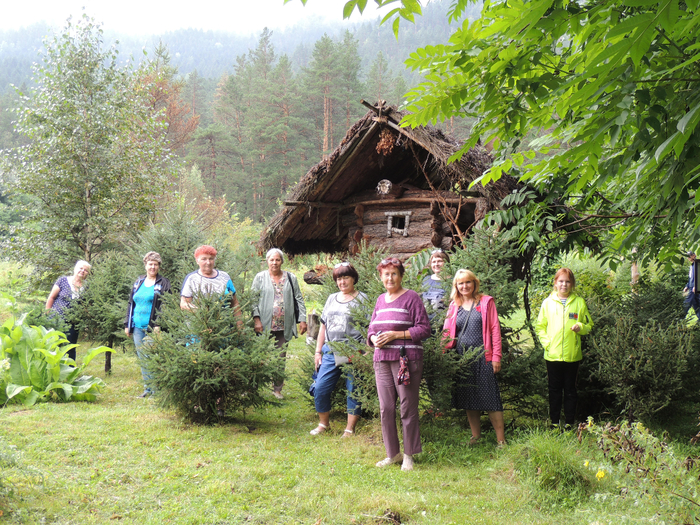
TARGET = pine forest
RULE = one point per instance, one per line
(249, 116)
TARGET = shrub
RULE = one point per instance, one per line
(206, 364)
(362, 355)
(100, 312)
(638, 355)
(180, 232)
(34, 367)
(175, 238)
(489, 257)
(642, 366)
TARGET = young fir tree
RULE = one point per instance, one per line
(208, 363)
(99, 313)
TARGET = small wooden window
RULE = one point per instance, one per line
(397, 222)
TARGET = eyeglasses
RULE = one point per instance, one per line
(391, 260)
(344, 263)
(437, 250)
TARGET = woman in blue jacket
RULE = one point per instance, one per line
(144, 307)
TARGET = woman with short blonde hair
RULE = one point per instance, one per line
(66, 289)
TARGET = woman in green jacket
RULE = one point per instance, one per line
(563, 319)
(276, 310)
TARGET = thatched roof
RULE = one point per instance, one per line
(375, 148)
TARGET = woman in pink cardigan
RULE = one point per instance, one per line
(477, 327)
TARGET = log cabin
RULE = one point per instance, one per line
(389, 187)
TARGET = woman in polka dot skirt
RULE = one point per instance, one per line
(477, 328)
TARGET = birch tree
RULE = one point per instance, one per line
(96, 160)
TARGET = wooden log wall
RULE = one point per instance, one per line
(368, 222)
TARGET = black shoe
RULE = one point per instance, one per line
(146, 393)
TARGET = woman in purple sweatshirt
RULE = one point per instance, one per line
(399, 320)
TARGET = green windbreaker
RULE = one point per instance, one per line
(554, 325)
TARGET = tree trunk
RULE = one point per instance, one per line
(108, 356)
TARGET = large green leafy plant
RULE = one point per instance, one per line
(34, 367)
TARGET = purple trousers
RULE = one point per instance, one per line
(389, 390)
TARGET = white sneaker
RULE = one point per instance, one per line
(407, 463)
(389, 461)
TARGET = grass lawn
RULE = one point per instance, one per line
(125, 460)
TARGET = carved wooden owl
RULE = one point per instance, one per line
(384, 187)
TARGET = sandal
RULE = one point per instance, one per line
(474, 440)
(407, 464)
(389, 461)
(501, 444)
(347, 433)
(320, 429)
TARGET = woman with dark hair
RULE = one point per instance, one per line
(336, 327)
(65, 290)
(563, 319)
(143, 309)
(477, 327)
(399, 323)
(433, 283)
(276, 311)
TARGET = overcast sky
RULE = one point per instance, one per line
(145, 17)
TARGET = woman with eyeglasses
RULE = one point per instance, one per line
(477, 327)
(336, 327)
(399, 322)
(433, 284)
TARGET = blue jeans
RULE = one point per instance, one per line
(328, 375)
(143, 340)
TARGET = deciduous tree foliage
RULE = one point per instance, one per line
(611, 86)
(97, 156)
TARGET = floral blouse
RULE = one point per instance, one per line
(278, 305)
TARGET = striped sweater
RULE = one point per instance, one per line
(403, 313)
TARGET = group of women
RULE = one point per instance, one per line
(399, 324)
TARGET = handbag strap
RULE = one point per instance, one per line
(294, 293)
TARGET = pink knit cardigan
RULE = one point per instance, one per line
(490, 325)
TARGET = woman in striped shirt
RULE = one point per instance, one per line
(399, 320)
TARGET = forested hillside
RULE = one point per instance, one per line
(249, 115)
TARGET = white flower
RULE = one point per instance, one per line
(5, 364)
